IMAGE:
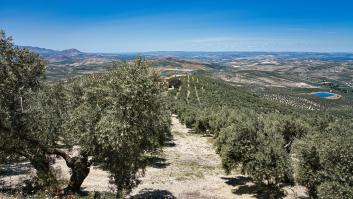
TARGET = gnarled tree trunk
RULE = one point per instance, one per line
(80, 168)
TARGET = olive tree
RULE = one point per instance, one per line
(325, 163)
(20, 75)
(256, 144)
(111, 119)
(116, 117)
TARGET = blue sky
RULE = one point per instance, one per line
(199, 25)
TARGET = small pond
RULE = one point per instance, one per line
(323, 94)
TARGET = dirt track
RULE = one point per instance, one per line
(188, 168)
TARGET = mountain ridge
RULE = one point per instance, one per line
(50, 52)
(73, 52)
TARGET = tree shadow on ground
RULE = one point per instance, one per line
(9, 185)
(195, 195)
(153, 194)
(244, 186)
(156, 162)
(169, 143)
(15, 169)
(236, 181)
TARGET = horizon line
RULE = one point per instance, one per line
(193, 51)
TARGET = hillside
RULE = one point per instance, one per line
(260, 69)
(228, 137)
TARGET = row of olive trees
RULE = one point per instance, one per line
(274, 149)
(112, 119)
(259, 144)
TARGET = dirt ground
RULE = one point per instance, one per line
(186, 168)
(189, 168)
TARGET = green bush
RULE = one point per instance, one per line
(326, 161)
(174, 83)
(255, 144)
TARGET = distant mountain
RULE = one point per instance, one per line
(71, 52)
(49, 52)
(71, 62)
(41, 51)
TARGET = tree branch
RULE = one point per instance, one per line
(47, 149)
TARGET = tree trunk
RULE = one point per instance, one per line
(80, 168)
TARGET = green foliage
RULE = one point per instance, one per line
(326, 161)
(20, 75)
(124, 103)
(117, 116)
(251, 133)
(215, 93)
(266, 140)
(188, 116)
(292, 129)
(112, 118)
(202, 123)
(174, 83)
(255, 143)
(207, 105)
